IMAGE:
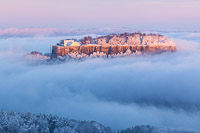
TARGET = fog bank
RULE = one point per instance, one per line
(161, 90)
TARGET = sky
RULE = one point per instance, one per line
(143, 14)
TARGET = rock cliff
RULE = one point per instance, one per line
(116, 44)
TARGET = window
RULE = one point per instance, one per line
(69, 43)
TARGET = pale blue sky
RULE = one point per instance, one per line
(150, 14)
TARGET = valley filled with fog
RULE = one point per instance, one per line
(160, 90)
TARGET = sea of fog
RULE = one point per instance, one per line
(160, 90)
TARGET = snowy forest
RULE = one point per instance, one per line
(13, 122)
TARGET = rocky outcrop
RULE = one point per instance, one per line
(110, 50)
(116, 44)
(37, 56)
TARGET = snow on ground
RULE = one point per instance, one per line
(11, 122)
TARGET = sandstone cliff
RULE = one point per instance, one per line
(116, 44)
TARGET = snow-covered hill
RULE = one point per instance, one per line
(152, 129)
(13, 122)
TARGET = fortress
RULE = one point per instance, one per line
(115, 44)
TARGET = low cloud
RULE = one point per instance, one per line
(53, 32)
(161, 90)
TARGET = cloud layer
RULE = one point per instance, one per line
(55, 32)
(161, 90)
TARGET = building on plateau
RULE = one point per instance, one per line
(69, 42)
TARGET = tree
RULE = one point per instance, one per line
(86, 40)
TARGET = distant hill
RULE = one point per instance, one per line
(13, 122)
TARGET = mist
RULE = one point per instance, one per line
(160, 90)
